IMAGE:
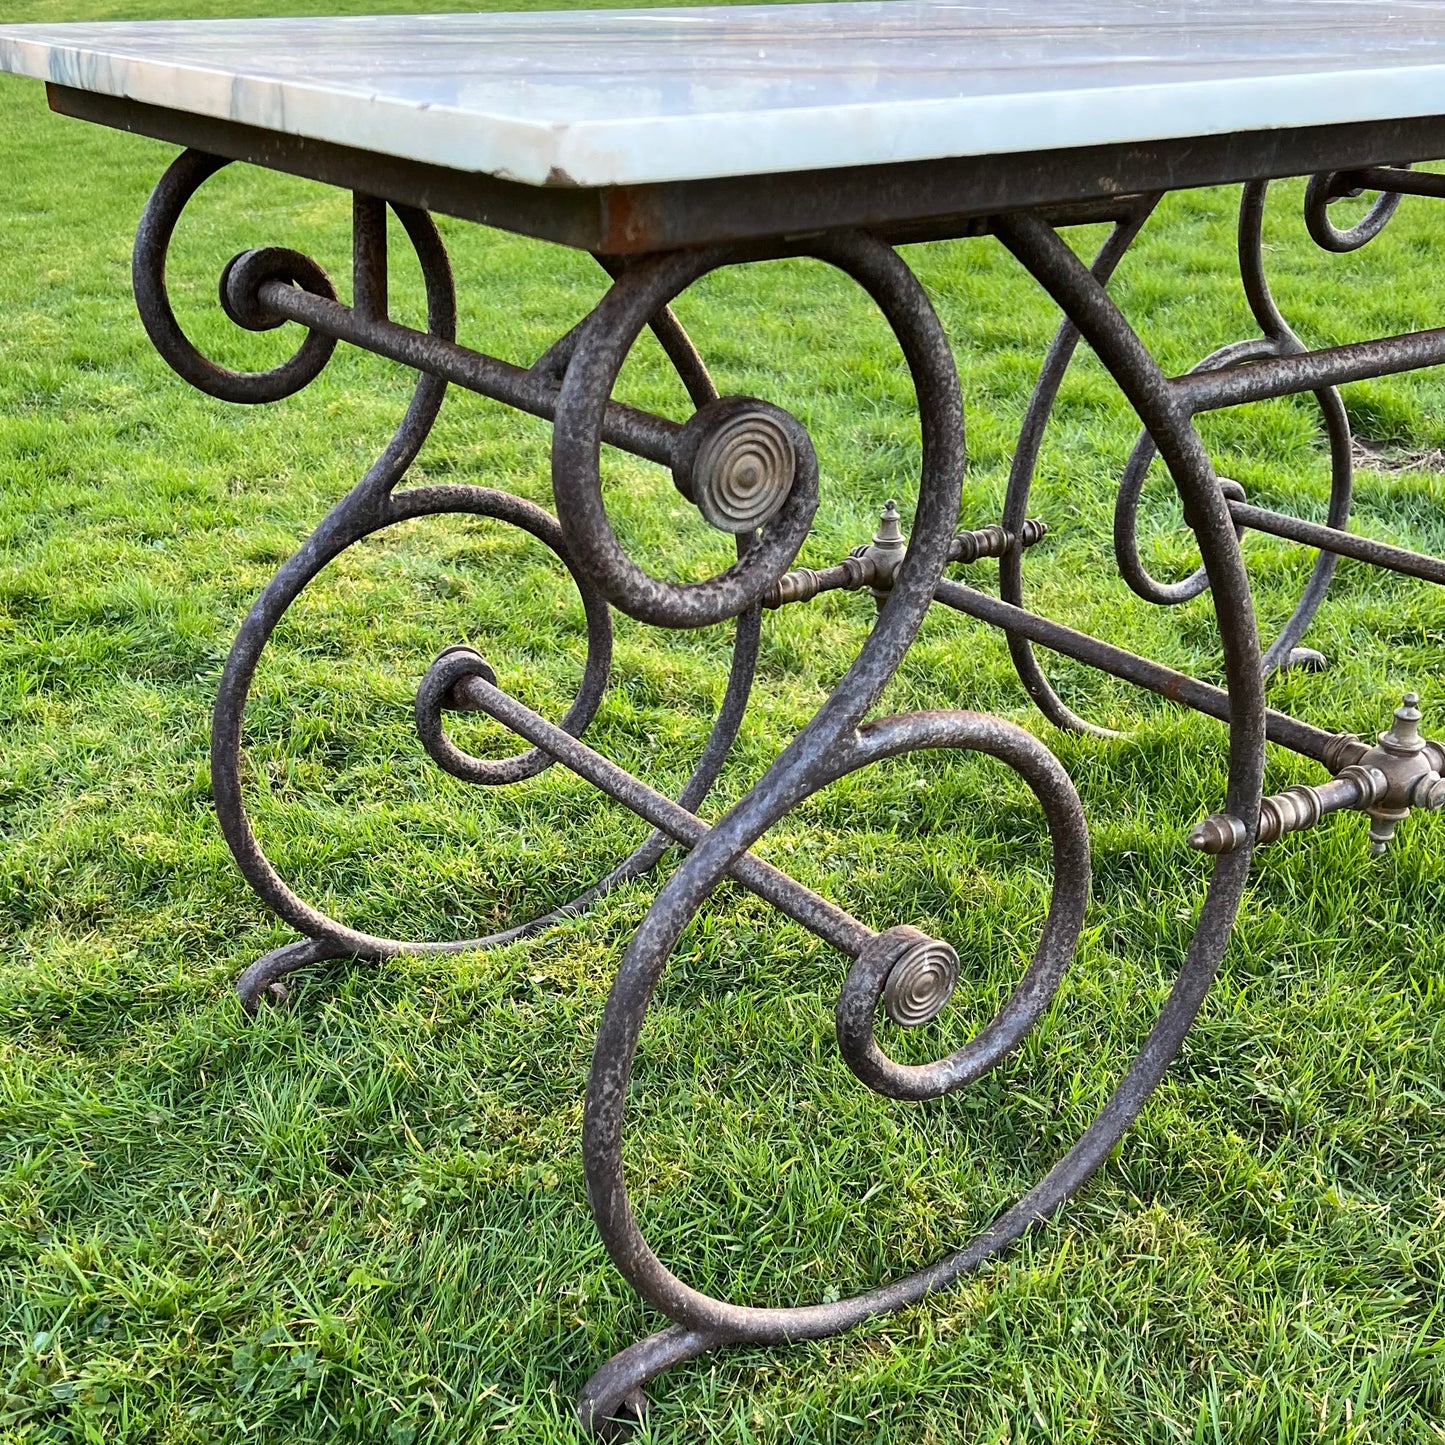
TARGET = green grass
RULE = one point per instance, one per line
(363, 1219)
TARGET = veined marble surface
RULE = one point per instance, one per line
(597, 98)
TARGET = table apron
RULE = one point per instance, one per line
(905, 201)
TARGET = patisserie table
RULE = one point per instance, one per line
(670, 143)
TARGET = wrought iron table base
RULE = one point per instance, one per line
(750, 469)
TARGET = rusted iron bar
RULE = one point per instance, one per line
(1288, 732)
(801, 904)
(1343, 544)
(638, 432)
(368, 258)
(1394, 179)
(1277, 376)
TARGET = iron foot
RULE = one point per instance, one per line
(1305, 659)
(264, 982)
(613, 1402)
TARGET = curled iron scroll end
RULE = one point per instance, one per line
(173, 193)
(1330, 186)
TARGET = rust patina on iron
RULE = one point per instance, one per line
(750, 469)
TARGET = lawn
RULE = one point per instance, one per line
(362, 1218)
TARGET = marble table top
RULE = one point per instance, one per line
(626, 97)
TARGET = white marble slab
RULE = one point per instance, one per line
(598, 98)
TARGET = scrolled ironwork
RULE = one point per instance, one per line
(185, 176)
(336, 534)
(497, 772)
(1025, 464)
(1277, 341)
(804, 764)
(375, 504)
(328, 937)
(1326, 188)
(875, 974)
(604, 340)
(1131, 490)
(244, 275)
(750, 468)
(703, 1322)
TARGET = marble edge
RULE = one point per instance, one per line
(507, 147)
(659, 149)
